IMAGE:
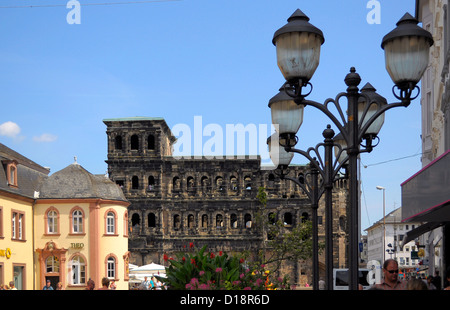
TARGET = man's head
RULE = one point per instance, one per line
(390, 270)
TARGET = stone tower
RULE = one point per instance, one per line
(175, 201)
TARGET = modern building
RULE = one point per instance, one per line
(385, 240)
(68, 227)
(205, 200)
(426, 194)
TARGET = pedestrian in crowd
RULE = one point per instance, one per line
(146, 284)
(59, 286)
(112, 285)
(390, 280)
(437, 280)
(447, 280)
(48, 286)
(12, 286)
(430, 284)
(6, 287)
(416, 285)
(321, 284)
(158, 284)
(90, 285)
(153, 283)
(105, 284)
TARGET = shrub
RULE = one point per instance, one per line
(202, 270)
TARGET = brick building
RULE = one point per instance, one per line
(175, 201)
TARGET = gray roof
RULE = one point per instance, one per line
(76, 182)
(29, 174)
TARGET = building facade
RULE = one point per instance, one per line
(426, 194)
(385, 240)
(19, 179)
(68, 227)
(203, 200)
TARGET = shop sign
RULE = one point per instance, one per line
(77, 245)
(6, 253)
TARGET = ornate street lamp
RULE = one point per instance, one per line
(309, 182)
(298, 52)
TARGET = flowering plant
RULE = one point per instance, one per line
(202, 270)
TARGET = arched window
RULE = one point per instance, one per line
(272, 218)
(305, 217)
(204, 183)
(52, 264)
(204, 221)
(176, 221)
(248, 220)
(190, 221)
(52, 222)
(77, 221)
(151, 183)
(190, 184)
(110, 223)
(287, 219)
(219, 220)
(135, 220)
(134, 142)
(111, 267)
(233, 183)
(248, 183)
(118, 142)
(219, 183)
(151, 142)
(134, 182)
(151, 220)
(233, 221)
(78, 270)
(176, 183)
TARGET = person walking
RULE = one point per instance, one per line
(12, 286)
(105, 284)
(437, 280)
(47, 286)
(390, 280)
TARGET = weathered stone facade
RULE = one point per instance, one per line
(175, 201)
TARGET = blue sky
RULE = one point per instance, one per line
(184, 59)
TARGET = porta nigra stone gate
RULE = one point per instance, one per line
(175, 201)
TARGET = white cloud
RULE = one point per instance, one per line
(45, 137)
(9, 129)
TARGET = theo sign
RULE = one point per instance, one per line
(77, 245)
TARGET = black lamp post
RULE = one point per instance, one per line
(328, 172)
(298, 51)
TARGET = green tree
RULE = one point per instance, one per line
(283, 244)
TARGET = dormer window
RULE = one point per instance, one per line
(11, 173)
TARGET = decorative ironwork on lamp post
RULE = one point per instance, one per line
(309, 182)
(298, 51)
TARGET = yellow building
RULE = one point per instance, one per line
(70, 227)
(19, 178)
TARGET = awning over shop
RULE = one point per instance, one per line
(426, 195)
(417, 232)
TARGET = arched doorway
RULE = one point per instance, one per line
(52, 264)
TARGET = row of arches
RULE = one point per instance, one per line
(135, 142)
(218, 220)
(206, 183)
